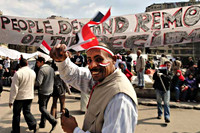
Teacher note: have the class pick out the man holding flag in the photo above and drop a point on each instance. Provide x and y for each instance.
(162, 78)
(112, 105)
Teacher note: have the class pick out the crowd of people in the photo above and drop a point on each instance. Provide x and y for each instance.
(104, 79)
(184, 81)
(48, 84)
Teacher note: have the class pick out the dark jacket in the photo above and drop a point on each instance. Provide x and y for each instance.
(176, 82)
(166, 78)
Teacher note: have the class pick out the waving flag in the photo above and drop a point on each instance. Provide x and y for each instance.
(99, 18)
(162, 67)
(85, 38)
(44, 48)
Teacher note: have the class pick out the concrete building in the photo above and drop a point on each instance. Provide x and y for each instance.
(161, 6)
(182, 50)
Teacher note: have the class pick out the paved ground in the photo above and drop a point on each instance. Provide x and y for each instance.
(184, 116)
(6, 114)
(182, 121)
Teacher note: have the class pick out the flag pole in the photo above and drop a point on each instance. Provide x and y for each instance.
(162, 83)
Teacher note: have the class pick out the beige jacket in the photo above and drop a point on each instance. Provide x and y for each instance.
(22, 86)
(140, 63)
(103, 93)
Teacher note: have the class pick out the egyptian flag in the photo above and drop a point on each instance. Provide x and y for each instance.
(162, 67)
(84, 39)
(99, 18)
(44, 48)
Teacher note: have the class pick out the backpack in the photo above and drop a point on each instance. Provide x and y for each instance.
(58, 86)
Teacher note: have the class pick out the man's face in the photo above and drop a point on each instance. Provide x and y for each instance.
(78, 53)
(96, 58)
(138, 53)
(168, 66)
(39, 64)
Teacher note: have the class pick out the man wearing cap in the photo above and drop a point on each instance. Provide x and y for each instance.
(112, 105)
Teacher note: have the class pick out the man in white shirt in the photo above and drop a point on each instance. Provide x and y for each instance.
(112, 105)
(21, 96)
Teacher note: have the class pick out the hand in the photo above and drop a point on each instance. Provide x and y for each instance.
(159, 74)
(68, 124)
(59, 53)
(10, 105)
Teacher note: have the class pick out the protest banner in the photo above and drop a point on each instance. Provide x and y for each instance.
(150, 29)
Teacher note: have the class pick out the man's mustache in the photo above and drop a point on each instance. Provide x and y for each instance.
(96, 69)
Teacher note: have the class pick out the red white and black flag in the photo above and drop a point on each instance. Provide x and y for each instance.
(44, 48)
(163, 67)
(85, 38)
(99, 18)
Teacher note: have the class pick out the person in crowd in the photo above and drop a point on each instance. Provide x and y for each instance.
(7, 73)
(140, 69)
(148, 65)
(190, 62)
(198, 75)
(176, 64)
(78, 59)
(84, 96)
(134, 66)
(178, 82)
(118, 60)
(162, 81)
(163, 59)
(192, 90)
(152, 64)
(112, 100)
(45, 81)
(129, 61)
(122, 66)
(21, 96)
(123, 58)
(189, 71)
(149, 68)
(6, 63)
(58, 93)
(1, 78)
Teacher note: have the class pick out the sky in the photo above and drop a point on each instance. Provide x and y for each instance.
(75, 9)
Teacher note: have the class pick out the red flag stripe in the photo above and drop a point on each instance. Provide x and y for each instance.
(106, 16)
(44, 43)
(102, 20)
